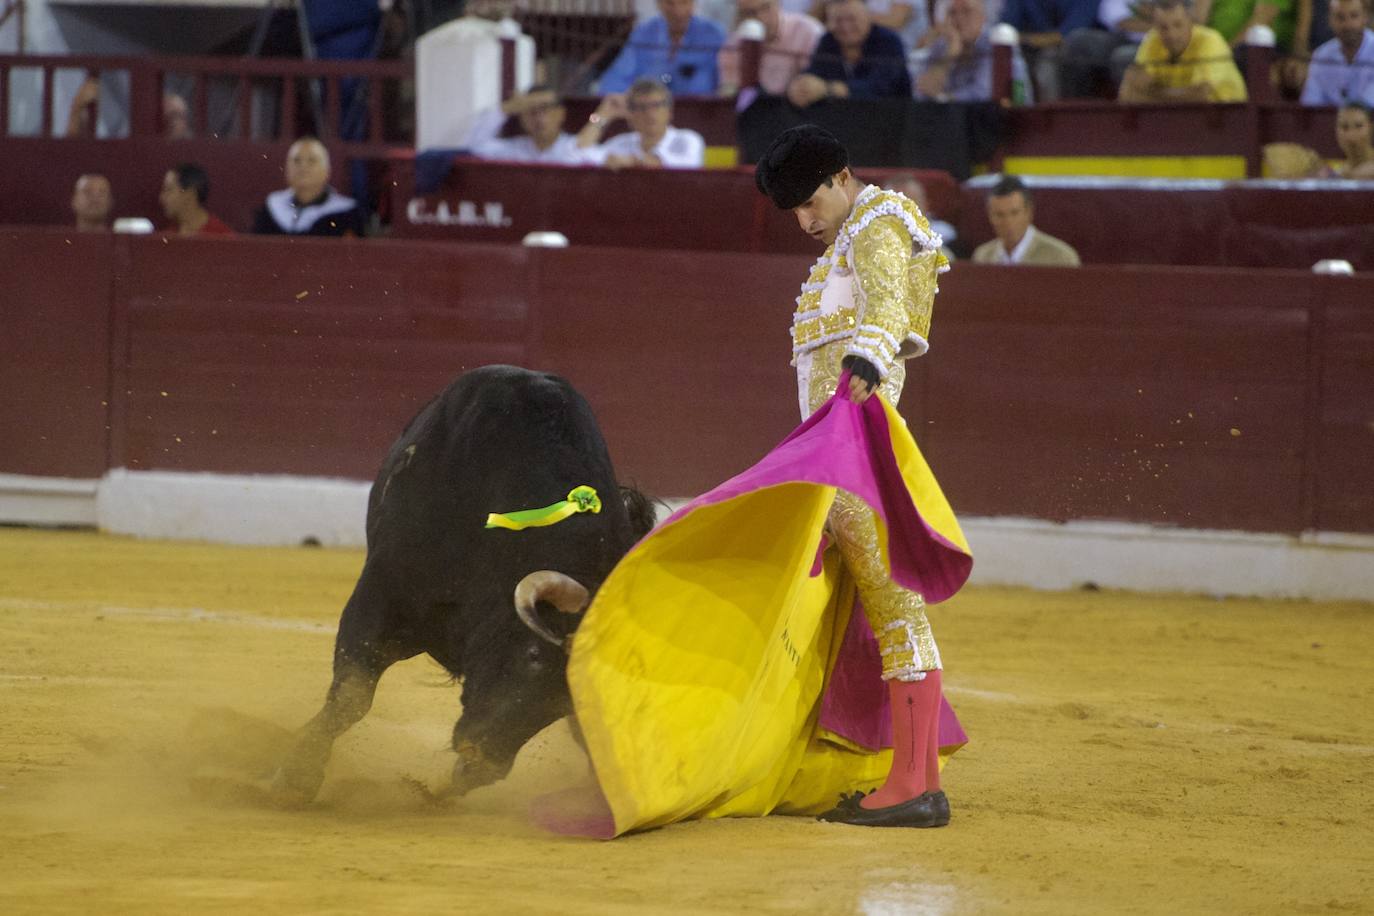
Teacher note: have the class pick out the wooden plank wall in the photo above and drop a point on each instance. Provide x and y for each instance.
(1192, 397)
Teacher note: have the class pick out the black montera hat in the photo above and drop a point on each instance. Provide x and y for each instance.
(797, 162)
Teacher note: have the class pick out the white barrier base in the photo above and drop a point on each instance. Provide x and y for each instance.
(233, 509)
(283, 510)
(54, 501)
(1041, 554)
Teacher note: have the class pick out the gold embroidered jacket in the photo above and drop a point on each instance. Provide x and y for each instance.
(888, 247)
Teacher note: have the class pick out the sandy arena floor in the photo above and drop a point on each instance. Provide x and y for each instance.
(1129, 754)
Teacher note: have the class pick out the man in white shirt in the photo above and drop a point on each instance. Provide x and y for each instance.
(1018, 242)
(652, 142)
(541, 114)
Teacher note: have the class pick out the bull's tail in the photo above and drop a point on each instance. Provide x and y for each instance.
(642, 510)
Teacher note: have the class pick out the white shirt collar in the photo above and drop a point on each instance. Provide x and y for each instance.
(1019, 251)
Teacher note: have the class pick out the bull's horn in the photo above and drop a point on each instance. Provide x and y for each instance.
(563, 592)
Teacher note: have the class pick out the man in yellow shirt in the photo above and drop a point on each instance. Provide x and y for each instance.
(1182, 61)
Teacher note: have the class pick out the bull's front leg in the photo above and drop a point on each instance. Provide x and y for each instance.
(300, 775)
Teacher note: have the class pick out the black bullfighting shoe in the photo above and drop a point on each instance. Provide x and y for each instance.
(841, 813)
(930, 809)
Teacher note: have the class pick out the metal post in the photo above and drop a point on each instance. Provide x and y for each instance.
(1259, 63)
(1004, 41)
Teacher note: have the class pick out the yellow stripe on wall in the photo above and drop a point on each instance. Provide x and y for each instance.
(1220, 167)
(721, 157)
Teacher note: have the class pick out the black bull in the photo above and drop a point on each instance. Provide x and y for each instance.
(436, 581)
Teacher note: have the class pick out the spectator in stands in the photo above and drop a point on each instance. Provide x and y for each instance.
(184, 192)
(789, 41)
(1355, 135)
(1180, 61)
(1043, 28)
(1093, 56)
(541, 113)
(959, 66)
(676, 48)
(908, 18)
(309, 206)
(176, 115)
(908, 184)
(652, 141)
(92, 202)
(1010, 210)
(1342, 69)
(854, 59)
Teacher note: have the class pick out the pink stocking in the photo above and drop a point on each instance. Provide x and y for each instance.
(915, 741)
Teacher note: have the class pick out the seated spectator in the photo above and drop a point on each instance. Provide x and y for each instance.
(541, 113)
(676, 48)
(909, 185)
(854, 59)
(1180, 61)
(1010, 211)
(1355, 135)
(309, 206)
(1094, 56)
(1043, 28)
(788, 43)
(92, 202)
(908, 18)
(959, 66)
(176, 117)
(184, 192)
(1342, 69)
(652, 142)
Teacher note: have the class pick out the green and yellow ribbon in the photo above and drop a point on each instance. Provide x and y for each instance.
(580, 499)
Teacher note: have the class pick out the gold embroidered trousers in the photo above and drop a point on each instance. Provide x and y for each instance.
(897, 615)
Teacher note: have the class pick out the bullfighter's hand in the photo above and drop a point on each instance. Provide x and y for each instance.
(859, 391)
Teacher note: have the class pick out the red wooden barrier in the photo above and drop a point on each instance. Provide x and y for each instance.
(1198, 398)
(1238, 224)
(694, 210)
(55, 352)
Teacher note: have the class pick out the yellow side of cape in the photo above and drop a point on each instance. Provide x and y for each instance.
(697, 673)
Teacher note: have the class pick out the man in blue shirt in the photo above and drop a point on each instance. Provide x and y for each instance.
(855, 59)
(677, 48)
(1342, 69)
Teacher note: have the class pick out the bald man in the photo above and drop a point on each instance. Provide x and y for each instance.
(309, 206)
(92, 201)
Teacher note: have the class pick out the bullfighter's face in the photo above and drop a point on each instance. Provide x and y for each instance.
(827, 209)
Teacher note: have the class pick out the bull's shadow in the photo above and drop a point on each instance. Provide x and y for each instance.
(480, 601)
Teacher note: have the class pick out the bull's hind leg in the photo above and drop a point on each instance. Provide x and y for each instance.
(367, 645)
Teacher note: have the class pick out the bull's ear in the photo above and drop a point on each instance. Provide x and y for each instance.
(562, 591)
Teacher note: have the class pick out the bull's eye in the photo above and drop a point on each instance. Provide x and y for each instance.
(535, 653)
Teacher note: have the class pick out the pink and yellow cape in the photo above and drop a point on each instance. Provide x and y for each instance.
(720, 671)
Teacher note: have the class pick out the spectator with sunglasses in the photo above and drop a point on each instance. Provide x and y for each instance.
(651, 142)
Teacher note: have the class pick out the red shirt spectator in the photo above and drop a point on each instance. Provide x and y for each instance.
(184, 190)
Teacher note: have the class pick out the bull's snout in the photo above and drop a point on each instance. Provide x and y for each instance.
(474, 769)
